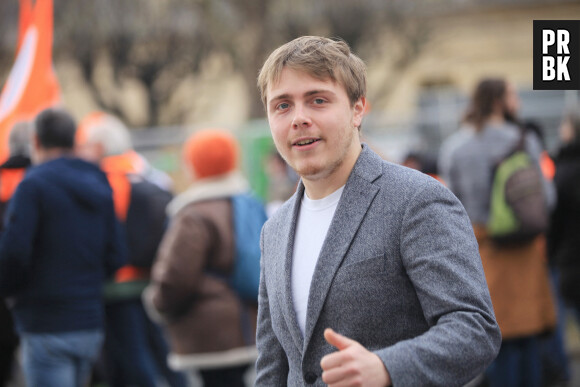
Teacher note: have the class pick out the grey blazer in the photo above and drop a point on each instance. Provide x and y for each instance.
(399, 272)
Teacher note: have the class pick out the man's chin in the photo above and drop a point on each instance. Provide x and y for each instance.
(312, 173)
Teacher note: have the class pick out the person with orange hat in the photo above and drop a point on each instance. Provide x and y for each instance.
(211, 328)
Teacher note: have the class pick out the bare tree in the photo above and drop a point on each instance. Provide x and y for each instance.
(248, 30)
(159, 43)
(142, 40)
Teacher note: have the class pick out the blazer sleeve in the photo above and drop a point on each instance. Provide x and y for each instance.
(441, 258)
(272, 364)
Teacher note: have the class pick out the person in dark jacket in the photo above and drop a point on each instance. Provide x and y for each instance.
(563, 241)
(135, 351)
(61, 240)
(11, 174)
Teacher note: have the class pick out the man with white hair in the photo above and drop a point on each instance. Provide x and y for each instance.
(13, 169)
(103, 135)
(134, 347)
(11, 173)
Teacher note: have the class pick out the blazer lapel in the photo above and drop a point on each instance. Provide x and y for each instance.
(354, 203)
(284, 269)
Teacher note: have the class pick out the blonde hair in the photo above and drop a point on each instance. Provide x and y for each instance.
(319, 57)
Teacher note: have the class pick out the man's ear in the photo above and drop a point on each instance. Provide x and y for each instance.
(35, 143)
(100, 149)
(36, 149)
(359, 110)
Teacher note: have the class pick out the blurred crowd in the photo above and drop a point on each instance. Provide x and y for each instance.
(108, 277)
(98, 252)
(531, 282)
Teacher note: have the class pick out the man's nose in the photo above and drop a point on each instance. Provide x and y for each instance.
(301, 119)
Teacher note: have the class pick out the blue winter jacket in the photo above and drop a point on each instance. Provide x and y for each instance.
(61, 241)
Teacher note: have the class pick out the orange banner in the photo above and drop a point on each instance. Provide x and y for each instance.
(31, 85)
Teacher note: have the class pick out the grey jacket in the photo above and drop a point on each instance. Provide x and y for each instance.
(399, 272)
(467, 159)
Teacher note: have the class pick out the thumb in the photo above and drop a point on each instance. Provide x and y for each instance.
(337, 340)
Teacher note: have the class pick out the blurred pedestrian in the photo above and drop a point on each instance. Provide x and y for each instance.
(60, 242)
(563, 241)
(137, 163)
(11, 174)
(135, 351)
(282, 181)
(555, 362)
(424, 162)
(370, 272)
(13, 169)
(211, 328)
(517, 276)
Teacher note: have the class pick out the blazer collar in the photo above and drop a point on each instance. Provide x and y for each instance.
(358, 194)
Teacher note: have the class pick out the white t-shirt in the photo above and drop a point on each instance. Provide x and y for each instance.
(311, 229)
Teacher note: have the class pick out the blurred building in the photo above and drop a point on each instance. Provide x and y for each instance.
(418, 103)
(464, 40)
(420, 74)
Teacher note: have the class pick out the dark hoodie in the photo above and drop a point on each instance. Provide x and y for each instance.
(61, 241)
(563, 240)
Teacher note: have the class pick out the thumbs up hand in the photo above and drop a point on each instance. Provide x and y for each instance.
(352, 364)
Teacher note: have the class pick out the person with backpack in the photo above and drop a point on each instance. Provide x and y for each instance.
(135, 350)
(205, 280)
(485, 164)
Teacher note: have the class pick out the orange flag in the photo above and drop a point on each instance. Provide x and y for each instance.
(31, 85)
(24, 20)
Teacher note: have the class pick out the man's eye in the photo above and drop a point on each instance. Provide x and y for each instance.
(319, 101)
(282, 106)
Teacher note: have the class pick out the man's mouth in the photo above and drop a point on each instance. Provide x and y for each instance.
(306, 142)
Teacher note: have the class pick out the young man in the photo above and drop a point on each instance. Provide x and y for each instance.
(370, 272)
(61, 240)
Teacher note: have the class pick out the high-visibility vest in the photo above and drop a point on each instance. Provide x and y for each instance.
(9, 180)
(117, 169)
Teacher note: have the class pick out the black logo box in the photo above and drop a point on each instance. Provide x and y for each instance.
(573, 28)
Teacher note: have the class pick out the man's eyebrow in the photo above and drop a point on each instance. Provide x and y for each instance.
(307, 94)
(321, 91)
(279, 97)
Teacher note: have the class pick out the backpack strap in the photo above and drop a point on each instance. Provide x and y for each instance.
(521, 144)
(248, 334)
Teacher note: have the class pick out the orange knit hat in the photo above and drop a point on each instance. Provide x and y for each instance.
(211, 152)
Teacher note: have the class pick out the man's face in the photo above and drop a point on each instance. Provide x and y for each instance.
(92, 152)
(566, 131)
(511, 101)
(313, 124)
